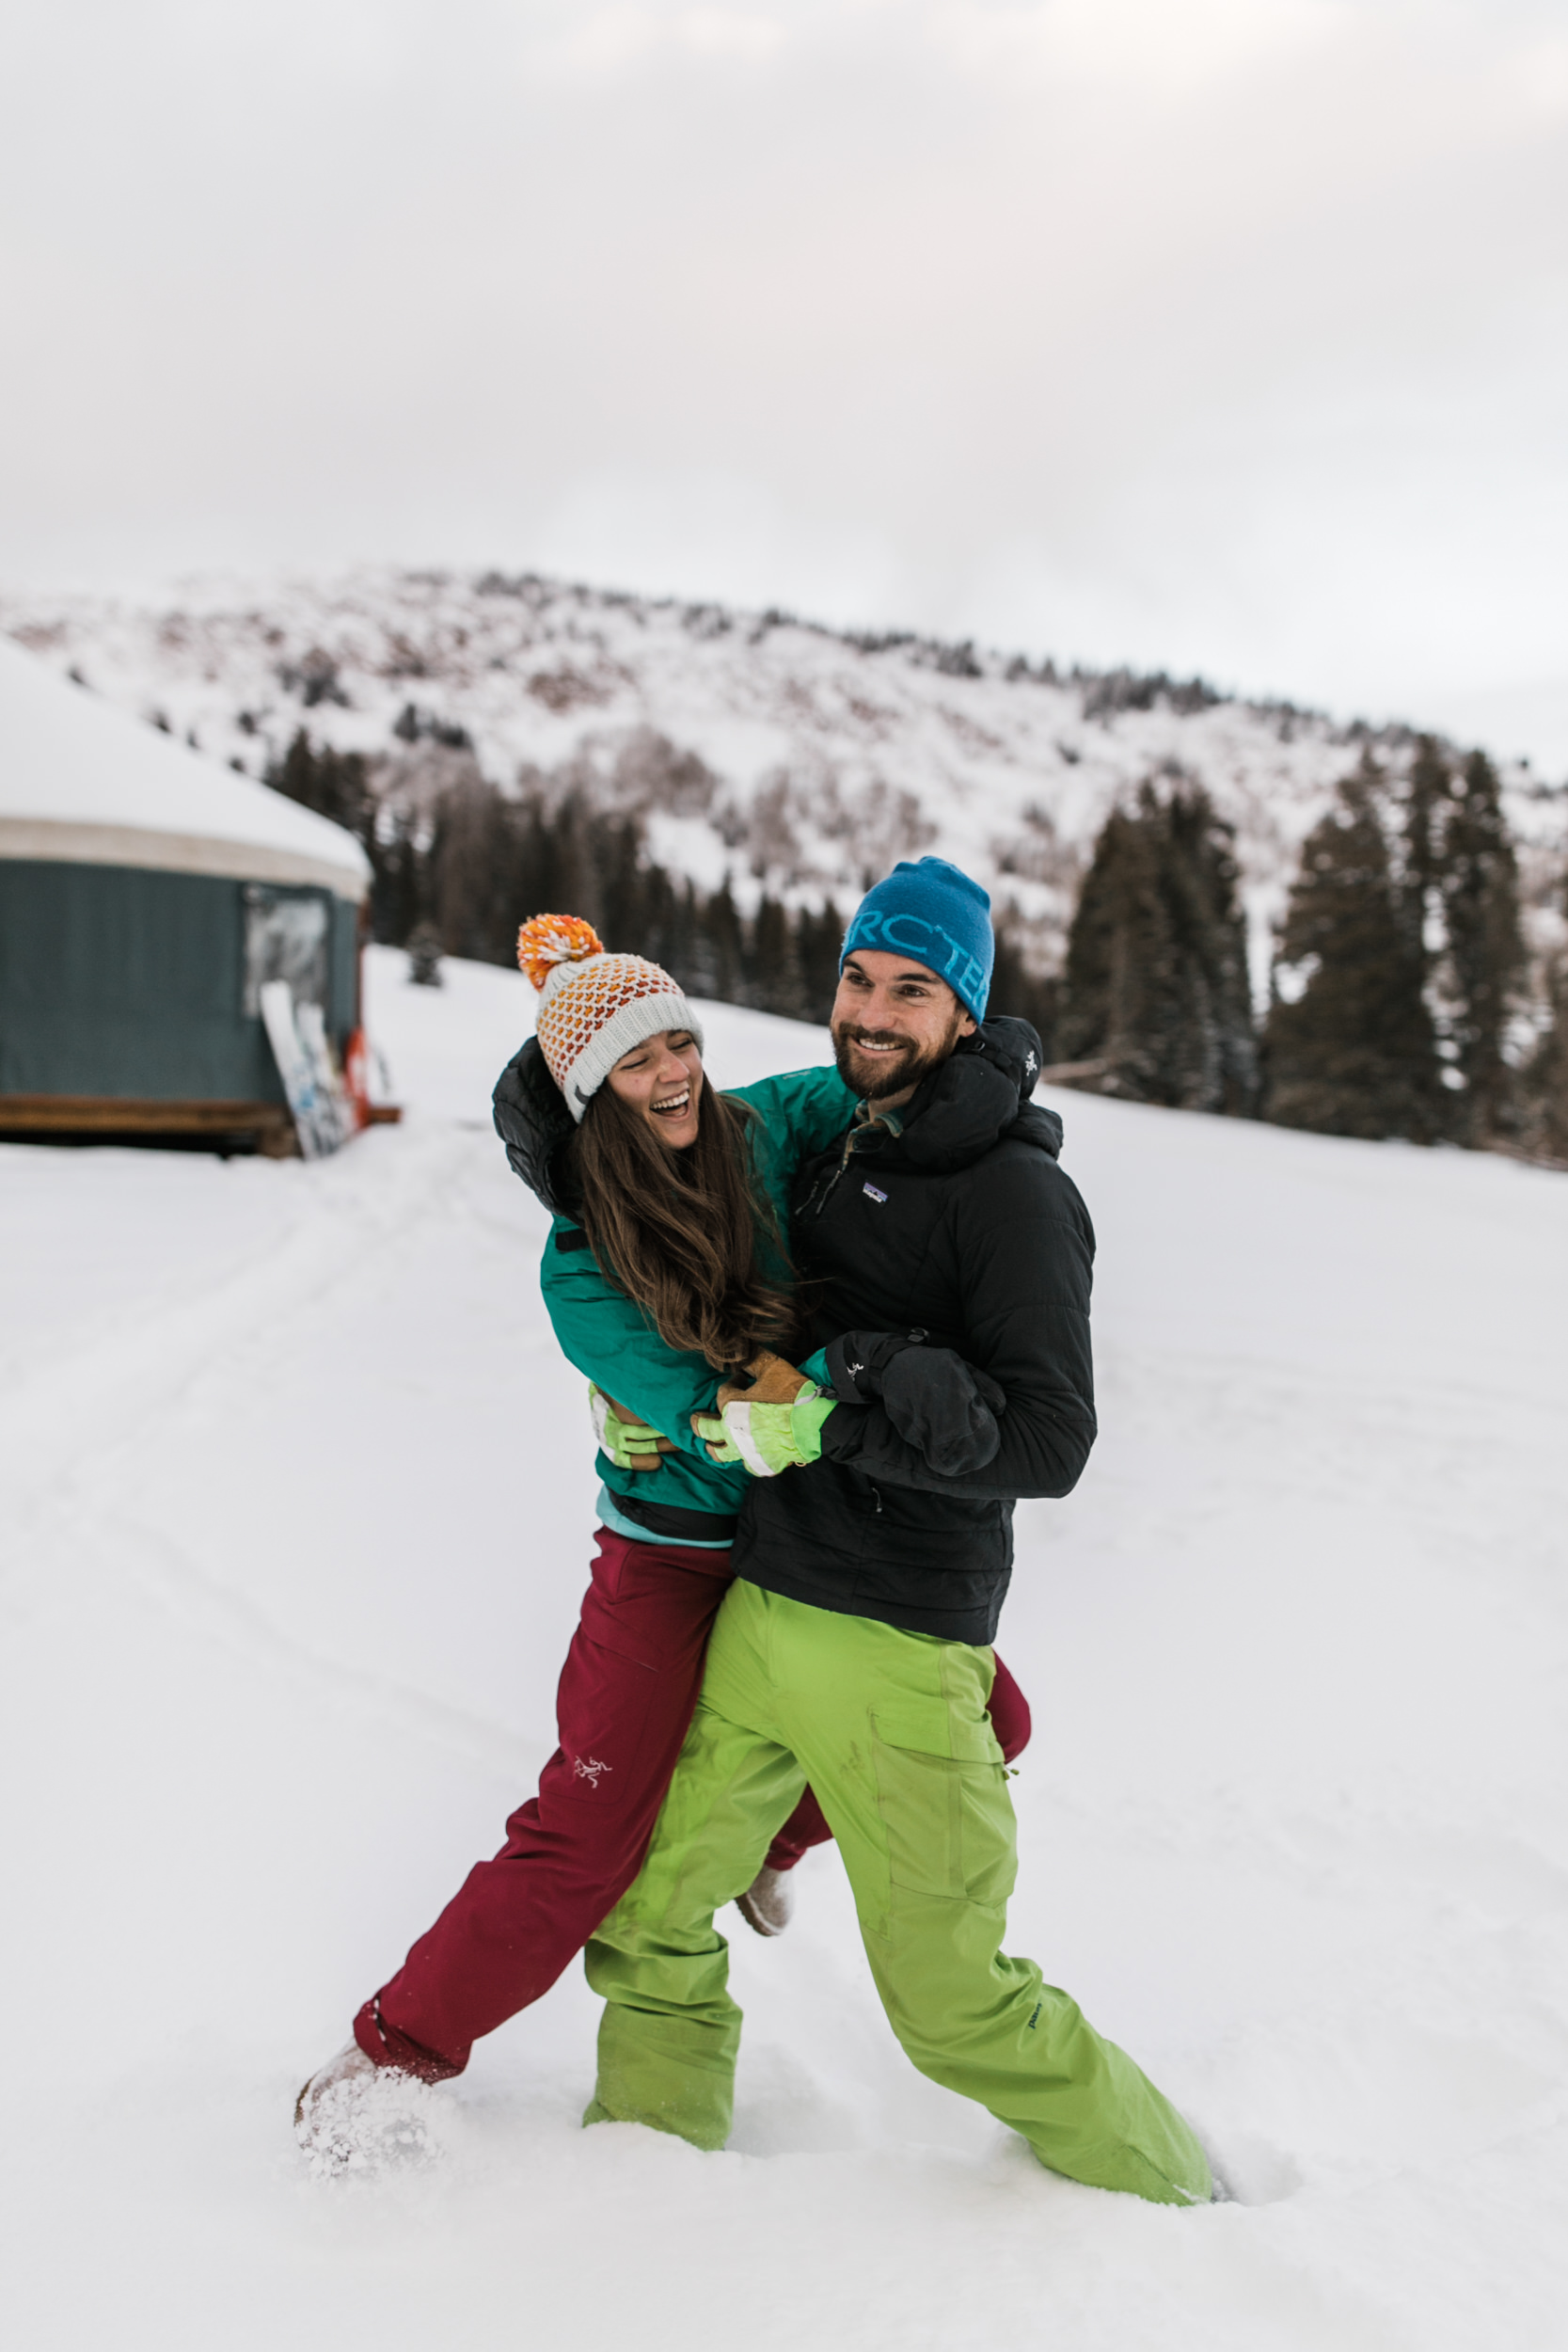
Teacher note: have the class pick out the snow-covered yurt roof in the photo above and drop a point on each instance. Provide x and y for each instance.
(82, 783)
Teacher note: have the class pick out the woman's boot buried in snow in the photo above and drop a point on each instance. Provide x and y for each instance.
(355, 2116)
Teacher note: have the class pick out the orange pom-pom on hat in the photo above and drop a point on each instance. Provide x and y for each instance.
(546, 940)
(594, 1007)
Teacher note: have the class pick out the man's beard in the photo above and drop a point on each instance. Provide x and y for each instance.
(889, 1074)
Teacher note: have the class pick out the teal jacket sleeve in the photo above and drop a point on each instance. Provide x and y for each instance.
(608, 1337)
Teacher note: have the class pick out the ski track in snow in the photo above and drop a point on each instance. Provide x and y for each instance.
(297, 1499)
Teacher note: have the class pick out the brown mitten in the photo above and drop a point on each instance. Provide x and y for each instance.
(769, 1381)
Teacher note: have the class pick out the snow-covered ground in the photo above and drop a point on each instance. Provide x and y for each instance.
(296, 1496)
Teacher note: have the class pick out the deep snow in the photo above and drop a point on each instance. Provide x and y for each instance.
(296, 1495)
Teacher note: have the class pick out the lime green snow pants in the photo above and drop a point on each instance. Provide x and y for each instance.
(891, 1730)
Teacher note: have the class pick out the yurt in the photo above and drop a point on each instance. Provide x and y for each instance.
(147, 895)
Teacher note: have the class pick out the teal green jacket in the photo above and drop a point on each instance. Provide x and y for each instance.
(613, 1341)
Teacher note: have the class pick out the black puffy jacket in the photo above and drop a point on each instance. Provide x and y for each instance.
(964, 1230)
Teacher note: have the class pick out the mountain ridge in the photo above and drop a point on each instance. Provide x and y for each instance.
(796, 758)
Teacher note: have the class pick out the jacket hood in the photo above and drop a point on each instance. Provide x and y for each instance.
(532, 1120)
(980, 1094)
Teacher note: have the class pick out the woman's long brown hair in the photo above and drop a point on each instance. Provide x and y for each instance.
(677, 1231)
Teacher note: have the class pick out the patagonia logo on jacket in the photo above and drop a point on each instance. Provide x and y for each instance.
(872, 1193)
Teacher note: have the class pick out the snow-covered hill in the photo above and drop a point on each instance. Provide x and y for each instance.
(820, 756)
(294, 1500)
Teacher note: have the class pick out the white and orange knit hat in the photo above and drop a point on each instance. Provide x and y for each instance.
(594, 1007)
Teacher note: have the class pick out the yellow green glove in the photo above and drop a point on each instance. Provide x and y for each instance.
(629, 1442)
(774, 1424)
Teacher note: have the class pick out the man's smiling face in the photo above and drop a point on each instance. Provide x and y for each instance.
(892, 1022)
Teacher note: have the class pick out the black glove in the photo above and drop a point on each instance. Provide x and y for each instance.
(936, 1402)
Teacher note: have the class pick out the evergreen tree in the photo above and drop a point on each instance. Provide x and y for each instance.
(1543, 1084)
(337, 785)
(818, 945)
(477, 880)
(683, 926)
(398, 877)
(333, 784)
(719, 955)
(1425, 806)
(626, 902)
(1479, 882)
(666, 924)
(1353, 1053)
(560, 864)
(424, 956)
(773, 978)
(1014, 989)
(1155, 988)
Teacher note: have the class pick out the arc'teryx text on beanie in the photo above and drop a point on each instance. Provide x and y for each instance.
(935, 913)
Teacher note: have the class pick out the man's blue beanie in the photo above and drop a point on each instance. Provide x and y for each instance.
(933, 913)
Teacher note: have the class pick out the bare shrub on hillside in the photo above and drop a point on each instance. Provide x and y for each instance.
(1037, 852)
(803, 826)
(408, 784)
(626, 772)
(878, 824)
(650, 772)
(567, 688)
(773, 839)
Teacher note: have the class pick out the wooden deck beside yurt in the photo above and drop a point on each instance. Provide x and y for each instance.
(147, 894)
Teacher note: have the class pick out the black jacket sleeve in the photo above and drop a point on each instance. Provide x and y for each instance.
(534, 1123)
(943, 1407)
(1023, 1250)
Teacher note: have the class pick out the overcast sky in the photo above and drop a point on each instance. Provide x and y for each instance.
(1227, 335)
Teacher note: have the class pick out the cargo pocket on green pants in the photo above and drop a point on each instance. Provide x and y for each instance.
(941, 1793)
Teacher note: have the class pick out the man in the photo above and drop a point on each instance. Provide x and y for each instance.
(952, 1258)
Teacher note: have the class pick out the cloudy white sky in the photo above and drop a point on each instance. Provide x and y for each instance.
(1227, 335)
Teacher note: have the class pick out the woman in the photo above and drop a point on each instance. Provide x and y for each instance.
(665, 1271)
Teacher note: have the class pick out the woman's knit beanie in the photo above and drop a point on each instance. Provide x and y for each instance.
(594, 1007)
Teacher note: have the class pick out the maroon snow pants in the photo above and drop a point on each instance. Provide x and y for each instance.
(628, 1691)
